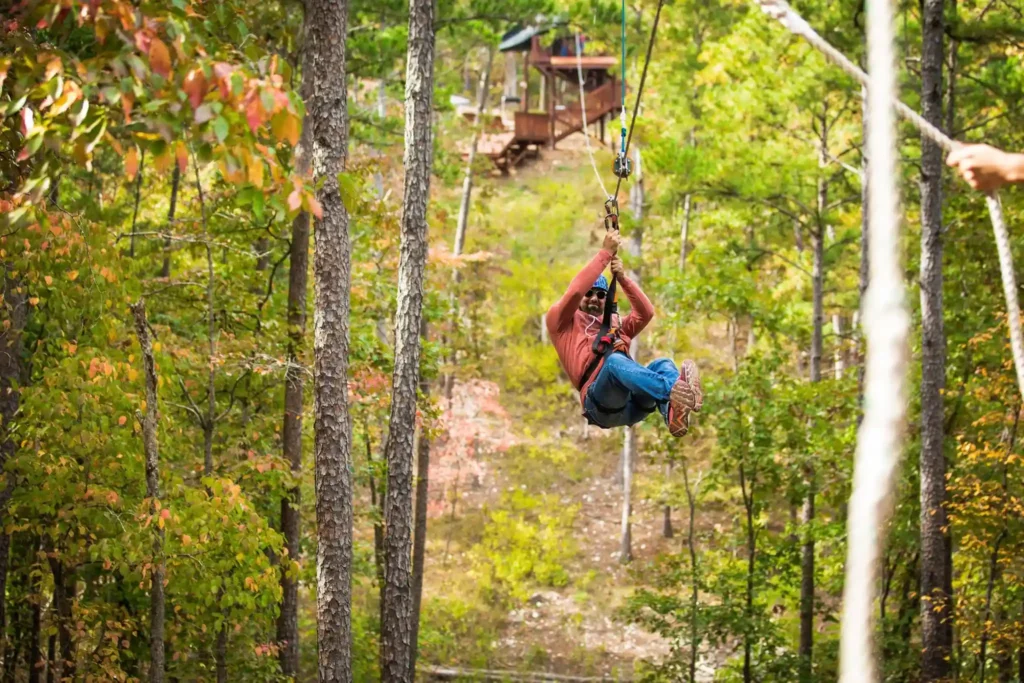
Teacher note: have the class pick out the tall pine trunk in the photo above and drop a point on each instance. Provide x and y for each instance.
(327, 120)
(291, 440)
(396, 628)
(936, 626)
(152, 458)
(419, 547)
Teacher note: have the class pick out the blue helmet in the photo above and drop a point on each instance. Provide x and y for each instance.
(600, 283)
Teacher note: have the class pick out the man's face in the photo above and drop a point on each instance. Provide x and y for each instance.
(593, 302)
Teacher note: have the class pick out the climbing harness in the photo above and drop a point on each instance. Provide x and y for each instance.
(607, 340)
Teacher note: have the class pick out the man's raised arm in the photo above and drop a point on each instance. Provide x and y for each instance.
(641, 309)
(559, 316)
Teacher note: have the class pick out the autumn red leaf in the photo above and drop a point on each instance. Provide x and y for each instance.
(294, 200)
(195, 87)
(160, 58)
(254, 114)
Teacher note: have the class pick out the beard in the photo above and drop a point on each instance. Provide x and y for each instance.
(593, 308)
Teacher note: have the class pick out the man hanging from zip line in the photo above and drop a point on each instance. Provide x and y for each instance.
(615, 390)
(986, 168)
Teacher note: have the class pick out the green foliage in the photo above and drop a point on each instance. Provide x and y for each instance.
(526, 543)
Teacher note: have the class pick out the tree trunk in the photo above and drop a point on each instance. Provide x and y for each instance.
(467, 183)
(634, 245)
(138, 196)
(865, 239)
(396, 629)
(806, 650)
(838, 359)
(419, 548)
(327, 119)
(666, 511)
(936, 626)
(165, 270)
(64, 589)
(685, 232)
(15, 310)
(35, 655)
(150, 420)
(747, 489)
(628, 454)
(294, 397)
(691, 545)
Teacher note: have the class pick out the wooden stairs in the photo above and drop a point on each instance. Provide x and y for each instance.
(532, 130)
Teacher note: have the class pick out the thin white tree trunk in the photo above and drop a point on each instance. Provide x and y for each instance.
(467, 183)
(838, 358)
(634, 245)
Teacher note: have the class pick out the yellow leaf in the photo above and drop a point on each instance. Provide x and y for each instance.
(33, 301)
(48, 279)
(256, 173)
(73, 275)
(132, 374)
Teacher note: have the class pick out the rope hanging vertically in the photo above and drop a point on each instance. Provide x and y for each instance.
(887, 329)
(781, 11)
(583, 114)
(640, 90)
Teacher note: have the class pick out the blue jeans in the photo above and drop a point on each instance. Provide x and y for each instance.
(626, 392)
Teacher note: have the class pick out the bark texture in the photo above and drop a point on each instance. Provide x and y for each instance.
(936, 628)
(419, 545)
(327, 119)
(291, 440)
(396, 628)
(151, 447)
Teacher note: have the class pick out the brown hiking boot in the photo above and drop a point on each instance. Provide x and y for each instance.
(680, 402)
(692, 374)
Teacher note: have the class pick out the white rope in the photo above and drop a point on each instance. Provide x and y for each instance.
(583, 110)
(887, 328)
(781, 11)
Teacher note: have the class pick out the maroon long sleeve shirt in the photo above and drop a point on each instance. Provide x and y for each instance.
(572, 331)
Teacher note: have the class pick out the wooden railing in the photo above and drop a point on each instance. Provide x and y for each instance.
(599, 101)
(532, 127)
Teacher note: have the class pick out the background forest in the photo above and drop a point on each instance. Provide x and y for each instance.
(208, 204)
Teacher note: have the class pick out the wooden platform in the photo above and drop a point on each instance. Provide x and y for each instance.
(534, 130)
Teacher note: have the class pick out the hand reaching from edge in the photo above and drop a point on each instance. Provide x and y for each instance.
(986, 168)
